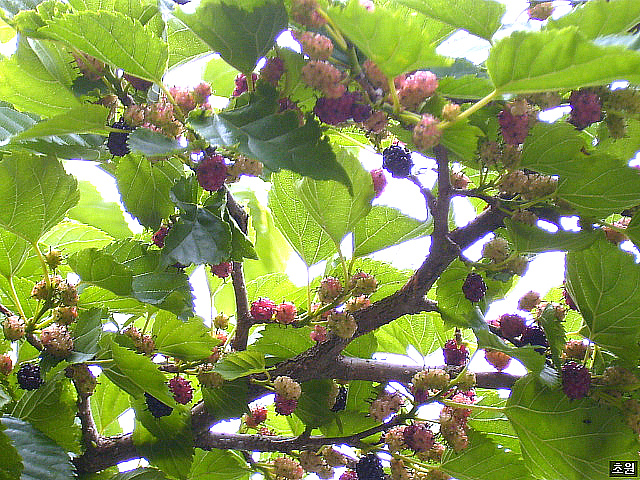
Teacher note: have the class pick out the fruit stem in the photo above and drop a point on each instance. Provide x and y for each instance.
(423, 467)
(308, 290)
(46, 323)
(15, 298)
(43, 264)
(469, 111)
(394, 96)
(146, 323)
(333, 30)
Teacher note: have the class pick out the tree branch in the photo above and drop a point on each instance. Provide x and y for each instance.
(243, 317)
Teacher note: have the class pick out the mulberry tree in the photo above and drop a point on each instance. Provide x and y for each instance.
(538, 137)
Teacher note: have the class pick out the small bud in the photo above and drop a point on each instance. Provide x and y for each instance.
(53, 258)
(221, 321)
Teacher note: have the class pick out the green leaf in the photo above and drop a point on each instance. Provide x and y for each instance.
(461, 139)
(281, 342)
(221, 76)
(277, 286)
(84, 119)
(136, 374)
(135, 49)
(14, 251)
(70, 236)
(38, 194)
(599, 185)
(240, 35)
(330, 203)
(385, 226)
(313, 404)
(140, 474)
(199, 236)
(184, 45)
(493, 423)
(10, 462)
(467, 86)
(355, 417)
(100, 298)
(94, 211)
(39, 454)
(529, 62)
(530, 239)
(479, 17)
(23, 288)
(604, 281)
(108, 402)
(241, 246)
(152, 144)
(68, 147)
(144, 186)
(275, 139)
(13, 122)
(426, 332)
(394, 50)
(483, 460)
(600, 18)
(624, 148)
(240, 364)
(295, 222)
(219, 465)
(227, 401)
(567, 439)
(549, 145)
(170, 446)
(86, 333)
(100, 269)
(188, 341)
(52, 410)
(23, 78)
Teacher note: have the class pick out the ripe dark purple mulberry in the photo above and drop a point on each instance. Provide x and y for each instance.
(511, 325)
(222, 270)
(576, 380)
(369, 467)
(397, 161)
(341, 400)
(337, 110)
(474, 288)
(585, 108)
(534, 335)
(117, 141)
(156, 407)
(285, 406)
(568, 300)
(454, 353)
(29, 376)
(514, 127)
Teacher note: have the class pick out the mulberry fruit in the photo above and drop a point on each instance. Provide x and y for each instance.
(454, 353)
(212, 172)
(156, 407)
(417, 88)
(181, 389)
(496, 250)
(316, 46)
(534, 335)
(330, 289)
(576, 380)
(379, 181)
(342, 324)
(29, 376)
(138, 83)
(241, 84)
(397, 161)
(285, 406)
(474, 288)
(13, 328)
(325, 77)
(263, 309)
(272, 70)
(426, 133)
(255, 417)
(318, 334)
(514, 127)
(286, 313)
(529, 301)
(159, 236)
(585, 108)
(6, 364)
(57, 341)
(418, 437)
(511, 325)
(363, 284)
(369, 467)
(222, 270)
(497, 359)
(341, 400)
(117, 141)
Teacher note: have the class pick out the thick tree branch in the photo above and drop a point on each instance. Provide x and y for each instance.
(90, 435)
